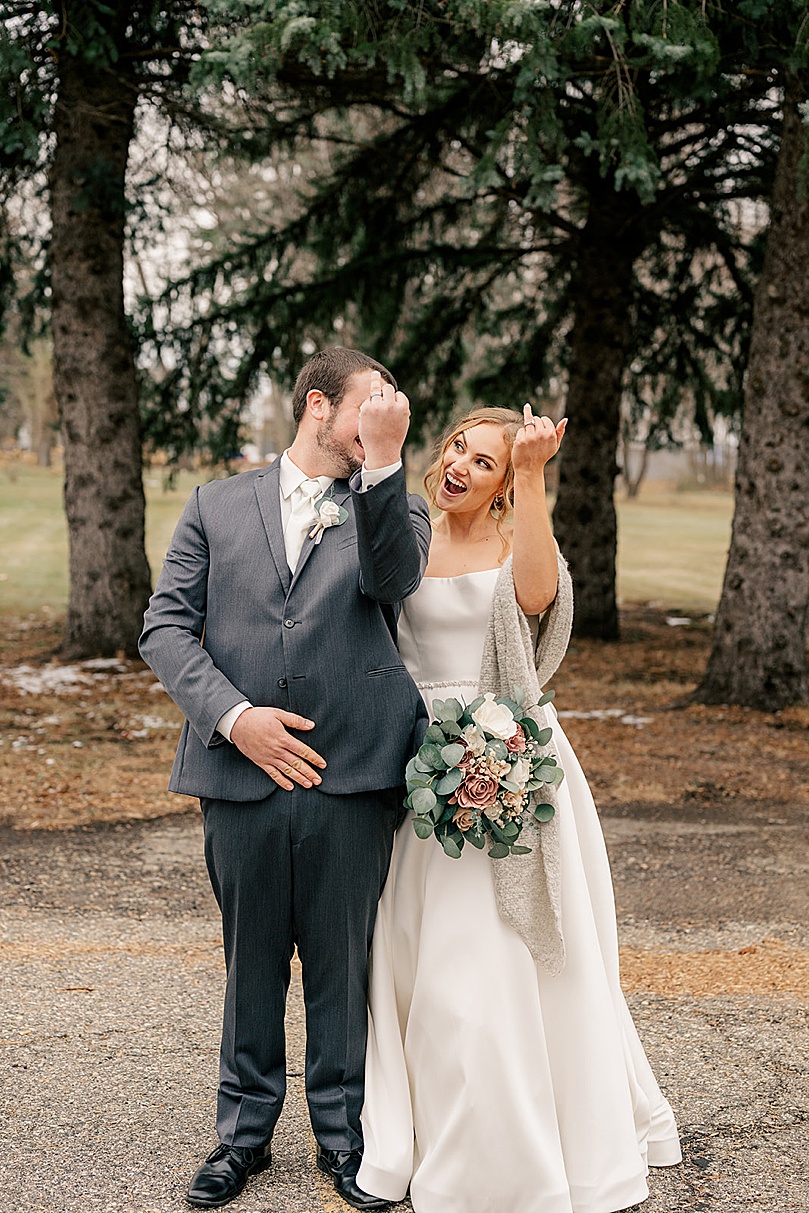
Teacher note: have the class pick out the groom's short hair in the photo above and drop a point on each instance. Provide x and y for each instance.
(328, 371)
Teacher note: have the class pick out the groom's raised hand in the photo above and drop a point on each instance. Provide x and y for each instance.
(384, 422)
(261, 735)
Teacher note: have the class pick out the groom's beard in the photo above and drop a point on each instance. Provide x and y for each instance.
(345, 461)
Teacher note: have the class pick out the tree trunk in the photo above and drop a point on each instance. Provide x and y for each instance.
(632, 482)
(94, 371)
(584, 515)
(758, 657)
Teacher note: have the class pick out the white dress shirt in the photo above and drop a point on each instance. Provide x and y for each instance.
(290, 480)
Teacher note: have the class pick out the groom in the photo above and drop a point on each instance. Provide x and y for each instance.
(273, 627)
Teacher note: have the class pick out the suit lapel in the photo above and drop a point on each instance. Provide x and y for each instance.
(268, 492)
(340, 495)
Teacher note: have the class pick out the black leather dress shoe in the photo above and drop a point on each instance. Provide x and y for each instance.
(342, 1166)
(224, 1173)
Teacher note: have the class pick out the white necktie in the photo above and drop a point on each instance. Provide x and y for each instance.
(302, 518)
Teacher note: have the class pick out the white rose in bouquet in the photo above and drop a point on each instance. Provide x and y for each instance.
(474, 739)
(495, 718)
(520, 772)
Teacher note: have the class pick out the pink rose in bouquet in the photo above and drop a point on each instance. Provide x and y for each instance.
(477, 792)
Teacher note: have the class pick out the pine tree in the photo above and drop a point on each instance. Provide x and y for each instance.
(758, 658)
(73, 75)
(513, 192)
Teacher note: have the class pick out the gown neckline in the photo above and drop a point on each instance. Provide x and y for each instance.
(471, 573)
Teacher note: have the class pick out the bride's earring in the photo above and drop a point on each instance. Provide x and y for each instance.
(498, 504)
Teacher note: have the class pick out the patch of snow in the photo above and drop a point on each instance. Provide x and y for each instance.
(619, 714)
(49, 679)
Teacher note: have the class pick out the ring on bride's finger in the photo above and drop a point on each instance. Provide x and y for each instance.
(375, 394)
(531, 422)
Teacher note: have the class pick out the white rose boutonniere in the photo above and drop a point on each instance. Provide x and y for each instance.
(329, 513)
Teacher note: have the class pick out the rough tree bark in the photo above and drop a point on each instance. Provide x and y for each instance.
(94, 371)
(758, 657)
(584, 515)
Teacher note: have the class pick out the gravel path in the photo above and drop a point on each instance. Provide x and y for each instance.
(111, 1000)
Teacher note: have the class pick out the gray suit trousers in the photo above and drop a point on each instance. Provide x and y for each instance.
(303, 869)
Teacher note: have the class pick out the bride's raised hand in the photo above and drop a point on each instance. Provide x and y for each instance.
(537, 442)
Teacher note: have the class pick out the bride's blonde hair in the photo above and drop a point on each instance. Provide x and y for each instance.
(510, 423)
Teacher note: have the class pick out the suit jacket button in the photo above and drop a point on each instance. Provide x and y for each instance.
(289, 623)
(282, 683)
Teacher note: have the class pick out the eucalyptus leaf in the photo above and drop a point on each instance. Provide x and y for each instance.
(451, 729)
(419, 781)
(423, 801)
(435, 734)
(499, 851)
(438, 708)
(548, 774)
(430, 754)
(474, 705)
(511, 831)
(423, 827)
(530, 726)
(496, 831)
(497, 749)
(544, 812)
(477, 840)
(520, 850)
(451, 709)
(449, 783)
(452, 754)
(421, 765)
(451, 848)
(544, 736)
(446, 815)
(519, 695)
(546, 698)
(509, 785)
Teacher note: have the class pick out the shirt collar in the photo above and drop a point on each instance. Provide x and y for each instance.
(291, 477)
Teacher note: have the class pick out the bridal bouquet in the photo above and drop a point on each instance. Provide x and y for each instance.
(473, 776)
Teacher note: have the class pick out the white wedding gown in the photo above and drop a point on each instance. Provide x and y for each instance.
(492, 1087)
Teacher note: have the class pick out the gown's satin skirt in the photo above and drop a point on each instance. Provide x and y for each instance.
(492, 1087)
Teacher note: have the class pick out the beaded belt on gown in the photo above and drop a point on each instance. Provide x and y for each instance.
(453, 682)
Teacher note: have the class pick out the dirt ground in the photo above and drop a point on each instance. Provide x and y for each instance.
(110, 936)
(93, 742)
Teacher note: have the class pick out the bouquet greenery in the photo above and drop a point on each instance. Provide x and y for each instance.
(478, 770)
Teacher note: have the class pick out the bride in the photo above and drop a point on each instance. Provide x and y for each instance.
(504, 1073)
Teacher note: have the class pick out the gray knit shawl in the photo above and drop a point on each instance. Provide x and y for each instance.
(528, 888)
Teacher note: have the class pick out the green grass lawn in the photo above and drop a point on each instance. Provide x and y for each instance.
(671, 549)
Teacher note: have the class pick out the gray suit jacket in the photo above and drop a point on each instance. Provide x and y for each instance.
(228, 621)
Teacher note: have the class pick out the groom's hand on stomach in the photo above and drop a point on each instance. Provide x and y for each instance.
(262, 736)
